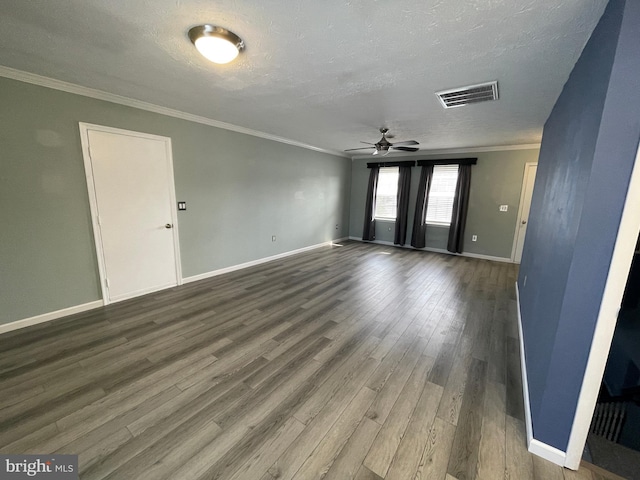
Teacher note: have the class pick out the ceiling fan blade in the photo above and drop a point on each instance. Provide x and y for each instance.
(406, 149)
(363, 148)
(408, 142)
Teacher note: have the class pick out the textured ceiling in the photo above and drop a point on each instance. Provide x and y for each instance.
(327, 73)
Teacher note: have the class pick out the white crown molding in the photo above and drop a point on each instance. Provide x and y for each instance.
(47, 82)
(447, 151)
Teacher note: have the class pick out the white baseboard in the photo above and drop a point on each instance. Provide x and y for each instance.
(253, 263)
(379, 242)
(437, 250)
(534, 446)
(523, 367)
(469, 254)
(47, 317)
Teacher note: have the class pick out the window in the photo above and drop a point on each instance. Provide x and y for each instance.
(386, 193)
(441, 194)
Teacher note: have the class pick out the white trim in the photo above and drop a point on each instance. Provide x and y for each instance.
(93, 204)
(548, 452)
(174, 210)
(607, 317)
(253, 263)
(525, 379)
(436, 250)
(47, 317)
(534, 446)
(525, 177)
(60, 85)
(469, 254)
(379, 242)
(338, 240)
(93, 207)
(446, 151)
(34, 79)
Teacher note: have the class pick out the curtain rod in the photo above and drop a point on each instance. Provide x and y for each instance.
(408, 163)
(449, 161)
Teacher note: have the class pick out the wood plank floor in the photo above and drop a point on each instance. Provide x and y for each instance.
(348, 362)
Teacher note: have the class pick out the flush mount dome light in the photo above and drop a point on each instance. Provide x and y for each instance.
(216, 43)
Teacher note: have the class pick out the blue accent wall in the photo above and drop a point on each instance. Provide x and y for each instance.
(588, 150)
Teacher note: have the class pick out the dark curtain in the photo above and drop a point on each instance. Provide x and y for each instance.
(369, 228)
(460, 208)
(402, 205)
(419, 232)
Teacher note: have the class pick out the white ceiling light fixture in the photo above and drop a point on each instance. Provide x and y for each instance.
(216, 44)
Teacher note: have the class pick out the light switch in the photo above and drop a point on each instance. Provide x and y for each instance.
(182, 205)
(504, 208)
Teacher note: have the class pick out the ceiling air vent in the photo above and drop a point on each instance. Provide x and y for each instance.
(457, 97)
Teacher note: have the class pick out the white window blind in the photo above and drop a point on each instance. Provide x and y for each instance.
(441, 194)
(386, 193)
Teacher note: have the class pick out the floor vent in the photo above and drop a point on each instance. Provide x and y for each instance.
(457, 97)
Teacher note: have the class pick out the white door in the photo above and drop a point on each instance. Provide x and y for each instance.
(525, 205)
(130, 179)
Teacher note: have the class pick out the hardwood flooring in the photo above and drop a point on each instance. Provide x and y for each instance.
(350, 362)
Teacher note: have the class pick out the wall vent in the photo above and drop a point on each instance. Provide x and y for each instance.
(457, 97)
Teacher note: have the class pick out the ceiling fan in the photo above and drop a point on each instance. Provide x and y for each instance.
(384, 146)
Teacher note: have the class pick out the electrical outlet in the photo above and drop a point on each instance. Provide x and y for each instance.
(336, 226)
(474, 238)
(273, 238)
(504, 208)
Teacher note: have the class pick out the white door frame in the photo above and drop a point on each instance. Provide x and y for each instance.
(527, 171)
(621, 259)
(93, 201)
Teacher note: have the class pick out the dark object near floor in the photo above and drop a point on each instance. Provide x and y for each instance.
(614, 457)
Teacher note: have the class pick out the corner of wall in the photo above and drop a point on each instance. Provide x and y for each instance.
(534, 446)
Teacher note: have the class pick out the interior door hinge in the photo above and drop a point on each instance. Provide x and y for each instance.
(99, 220)
(106, 280)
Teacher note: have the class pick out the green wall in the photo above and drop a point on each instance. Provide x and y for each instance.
(240, 190)
(495, 180)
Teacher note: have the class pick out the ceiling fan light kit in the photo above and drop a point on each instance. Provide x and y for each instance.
(384, 146)
(216, 44)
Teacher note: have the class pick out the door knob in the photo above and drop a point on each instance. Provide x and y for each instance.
(524, 222)
(168, 225)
